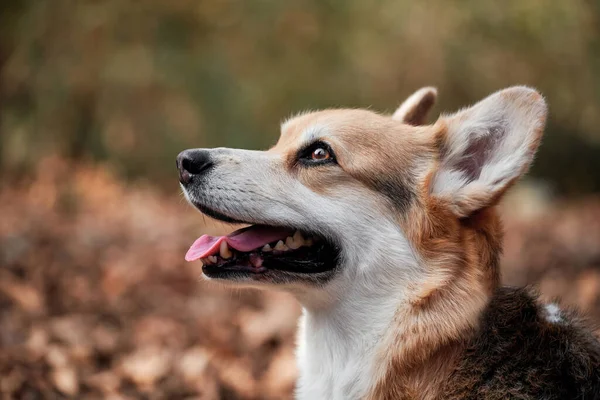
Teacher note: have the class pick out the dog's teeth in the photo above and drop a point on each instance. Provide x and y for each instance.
(280, 246)
(266, 248)
(291, 243)
(298, 239)
(204, 261)
(309, 242)
(224, 250)
(212, 259)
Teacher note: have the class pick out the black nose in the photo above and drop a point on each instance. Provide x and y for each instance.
(192, 163)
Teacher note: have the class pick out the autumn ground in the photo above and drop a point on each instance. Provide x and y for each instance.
(97, 302)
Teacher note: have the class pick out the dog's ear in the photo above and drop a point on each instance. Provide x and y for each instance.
(415, 108)
(484, 149)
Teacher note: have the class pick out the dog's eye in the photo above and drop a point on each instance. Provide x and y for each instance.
(320, 154)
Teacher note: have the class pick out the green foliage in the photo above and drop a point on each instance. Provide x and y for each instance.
(133, 83)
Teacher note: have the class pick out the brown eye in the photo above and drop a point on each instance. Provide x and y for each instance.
(320, 154)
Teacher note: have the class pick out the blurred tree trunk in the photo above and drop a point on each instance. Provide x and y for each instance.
(78, 144)
(10, 13)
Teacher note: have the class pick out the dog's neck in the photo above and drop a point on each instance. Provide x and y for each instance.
(338, 344)
(365, 342)
(388, 332)
(340, 335)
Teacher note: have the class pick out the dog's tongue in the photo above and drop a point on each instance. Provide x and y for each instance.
(245, 239)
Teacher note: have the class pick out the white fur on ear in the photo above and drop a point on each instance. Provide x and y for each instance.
(414, 109)
(486, 147)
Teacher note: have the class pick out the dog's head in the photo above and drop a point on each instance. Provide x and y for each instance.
(351, 197)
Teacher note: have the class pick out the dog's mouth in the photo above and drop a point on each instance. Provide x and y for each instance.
(258, 249)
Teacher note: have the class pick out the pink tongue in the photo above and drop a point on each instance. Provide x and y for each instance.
(245, 239)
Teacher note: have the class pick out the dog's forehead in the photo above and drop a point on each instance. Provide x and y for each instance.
(311, 126)
(308, 126)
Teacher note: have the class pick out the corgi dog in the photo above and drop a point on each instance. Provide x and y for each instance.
(385, 229)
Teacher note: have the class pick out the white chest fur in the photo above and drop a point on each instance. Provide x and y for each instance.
(332, 365)
(338, 349)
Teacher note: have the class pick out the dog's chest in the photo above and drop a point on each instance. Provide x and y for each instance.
(331, 366)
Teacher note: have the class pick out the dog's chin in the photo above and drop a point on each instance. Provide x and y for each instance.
(308, 259)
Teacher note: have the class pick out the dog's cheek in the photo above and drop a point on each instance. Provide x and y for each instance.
(324, 180)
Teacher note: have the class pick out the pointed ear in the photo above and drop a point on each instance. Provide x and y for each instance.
(487, 147)
(414, 109)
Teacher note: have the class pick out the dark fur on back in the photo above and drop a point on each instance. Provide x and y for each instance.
(519, 354)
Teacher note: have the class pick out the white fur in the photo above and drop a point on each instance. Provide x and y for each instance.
(337, 343)
(553, 313)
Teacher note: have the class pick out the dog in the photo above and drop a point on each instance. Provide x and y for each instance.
(385, 230)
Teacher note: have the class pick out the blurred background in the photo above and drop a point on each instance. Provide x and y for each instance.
(97, 97)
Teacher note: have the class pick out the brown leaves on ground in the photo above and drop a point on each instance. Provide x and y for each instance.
(97, 302)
